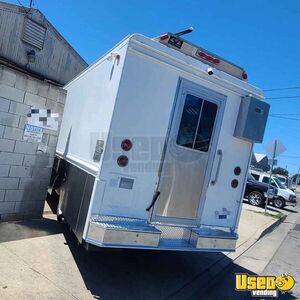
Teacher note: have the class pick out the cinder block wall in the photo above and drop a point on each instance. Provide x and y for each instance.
(24, 171)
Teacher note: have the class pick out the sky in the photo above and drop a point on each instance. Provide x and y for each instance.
(262, 36)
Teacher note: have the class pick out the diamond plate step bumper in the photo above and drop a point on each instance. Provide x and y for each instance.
(207, 238)
(122, 231)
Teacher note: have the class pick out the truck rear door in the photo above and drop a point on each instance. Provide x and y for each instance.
(189, 152)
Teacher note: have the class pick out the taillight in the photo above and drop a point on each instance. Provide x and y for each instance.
(126, 145)
(122, 161)
(234, 183)
(237, 171)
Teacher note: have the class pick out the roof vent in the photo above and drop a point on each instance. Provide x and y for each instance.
(34, 34)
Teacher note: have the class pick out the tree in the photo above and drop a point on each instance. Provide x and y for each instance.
(281, 171)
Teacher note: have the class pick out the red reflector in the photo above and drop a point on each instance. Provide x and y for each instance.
(216, 61)
(126, 145)
(237, 171)
(122, 161)
(245, 75)
(234, 183)
(164, 37)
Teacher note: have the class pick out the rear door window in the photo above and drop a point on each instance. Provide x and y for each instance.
(197, 123)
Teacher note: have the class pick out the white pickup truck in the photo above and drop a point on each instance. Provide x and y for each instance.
(285, 195)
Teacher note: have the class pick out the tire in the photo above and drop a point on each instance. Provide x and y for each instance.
(279, 202)
(255, 198)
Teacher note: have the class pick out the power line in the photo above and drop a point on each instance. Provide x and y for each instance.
(26, 10)
(290, 156)
(21, 3)
(282, 89)
(285, 118)
(284, 97)
(286, 114)
(33, 3)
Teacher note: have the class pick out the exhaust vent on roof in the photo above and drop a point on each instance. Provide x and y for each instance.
(34, 34)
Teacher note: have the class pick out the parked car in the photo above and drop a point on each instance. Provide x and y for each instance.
(285, 195)
(256, 192)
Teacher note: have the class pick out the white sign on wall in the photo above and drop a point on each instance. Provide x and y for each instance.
(33, 134)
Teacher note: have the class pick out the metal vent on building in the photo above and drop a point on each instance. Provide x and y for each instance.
(34, 34)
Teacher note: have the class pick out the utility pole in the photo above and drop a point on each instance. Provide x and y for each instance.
(297, 178)
(274, 148)
(271, 173)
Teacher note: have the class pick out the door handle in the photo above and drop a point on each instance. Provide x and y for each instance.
(220, 154)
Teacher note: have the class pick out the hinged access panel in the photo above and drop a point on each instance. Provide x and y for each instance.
(252, 119)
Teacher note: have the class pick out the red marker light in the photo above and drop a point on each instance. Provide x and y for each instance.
(122, 161)
(126, 145)
(201, 54)
(237, 171)
(234, 183)
(207, 57)
(164, 37)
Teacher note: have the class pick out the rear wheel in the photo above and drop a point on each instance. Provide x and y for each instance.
(279, 202)
(256, 198)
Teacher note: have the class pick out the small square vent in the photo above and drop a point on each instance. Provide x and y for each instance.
(34, 34)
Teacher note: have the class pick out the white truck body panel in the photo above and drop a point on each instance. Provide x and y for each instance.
(84, 106)
(134, 97)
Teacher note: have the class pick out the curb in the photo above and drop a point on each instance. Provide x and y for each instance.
(271, 227)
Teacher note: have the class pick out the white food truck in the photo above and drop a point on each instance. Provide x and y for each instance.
(154, 147)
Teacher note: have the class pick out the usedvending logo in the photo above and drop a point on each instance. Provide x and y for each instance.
(267, 286)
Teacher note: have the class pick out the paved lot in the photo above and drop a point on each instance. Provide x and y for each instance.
(41, 260)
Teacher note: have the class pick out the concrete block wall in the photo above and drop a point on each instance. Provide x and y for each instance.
(24, 171)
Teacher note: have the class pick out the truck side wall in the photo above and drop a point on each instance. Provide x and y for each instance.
(88, 111)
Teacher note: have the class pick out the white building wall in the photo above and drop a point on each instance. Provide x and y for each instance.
(24, 171)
